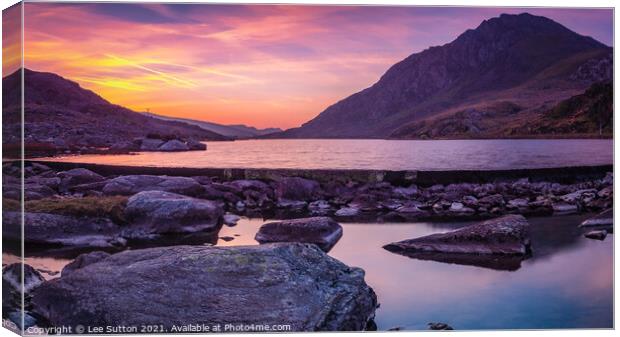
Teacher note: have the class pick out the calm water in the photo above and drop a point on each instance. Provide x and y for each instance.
(568, 283)
(376, 154)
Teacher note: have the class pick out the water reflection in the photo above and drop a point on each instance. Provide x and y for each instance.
(376, 154)
(567, 283)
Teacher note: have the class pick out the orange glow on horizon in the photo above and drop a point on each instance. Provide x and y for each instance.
(259, 65)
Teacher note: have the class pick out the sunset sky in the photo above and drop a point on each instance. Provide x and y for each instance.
(254, 64)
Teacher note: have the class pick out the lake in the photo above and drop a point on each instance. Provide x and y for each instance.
(375, 154)
(567, 283)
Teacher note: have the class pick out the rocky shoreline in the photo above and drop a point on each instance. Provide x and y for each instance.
(103, 214)
(358, 196)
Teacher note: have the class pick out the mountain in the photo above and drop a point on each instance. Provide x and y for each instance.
(524, 61)
(59, 113)
(589, 114)
(233, 131)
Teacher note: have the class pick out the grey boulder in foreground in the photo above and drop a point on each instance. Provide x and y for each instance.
(507, 235)
(280, 283)
(322, 231)
(163, 212)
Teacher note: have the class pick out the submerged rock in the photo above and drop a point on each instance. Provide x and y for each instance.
(596, 235)
(162, 212)
(605, 218)
(54, 229)
(322, 231)
(82, 261)
(294, 284)
(507, 235)
(129, 185)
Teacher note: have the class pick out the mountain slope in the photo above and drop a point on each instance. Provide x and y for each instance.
(60, 113)
(233, 131)
(589, 114)
(524, 59)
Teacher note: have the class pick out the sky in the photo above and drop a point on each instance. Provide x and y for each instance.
(260, 65)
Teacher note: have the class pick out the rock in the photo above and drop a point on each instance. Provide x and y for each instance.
(470, 201)
(54, 229)
(606, 192)
(129, 185)
(322, 231)
(507, 235)
(458, 208)
(227, 238)
(573, 197)
(492, 200)
(563, 208)
(256, 185)
(150, 144)
(12, 278)
(78, 176)
(123, 146)
(195, 145)
(295, 188)
(163, 212)
(597, 234)
(518, 203)
(406, 192)
(412, 210)
(605, 218)
(173, 146)
(82, 261)
(439, 326)
(292, 204)
(348, 211)
(267, 284)
(231, 219)
(31, 192)
(319, 207)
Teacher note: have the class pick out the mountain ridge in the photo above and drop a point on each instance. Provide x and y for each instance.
(501, 55)
(61, 115)
(238, 131)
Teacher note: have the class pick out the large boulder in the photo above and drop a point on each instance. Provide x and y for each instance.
(507, 235)
(163, 212)
(129, 185)
(83, 260)
(55, 229)
(294, 284)
(322, 231)
(78, 176)
(150, 144)
(173, 146)
(295, 188)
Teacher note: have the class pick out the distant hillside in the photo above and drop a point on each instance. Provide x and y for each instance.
(233, 131)
(509, 67)
(589, 114)
(60, 114)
